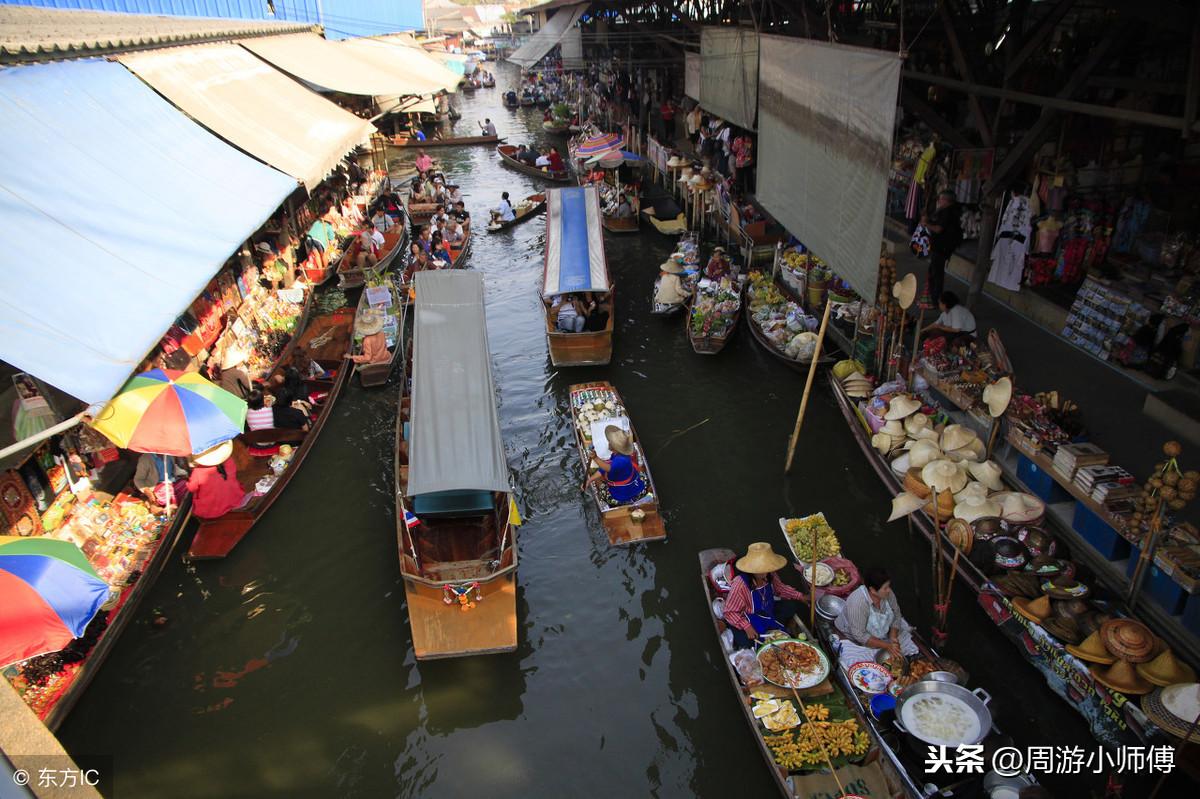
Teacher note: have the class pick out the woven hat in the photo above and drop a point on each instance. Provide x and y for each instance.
(1036, 610)
(1070, 608)
(900, 465)
(971, 453)
(905, 290)
(1020, 584)
(760, 559)
(943, 475)
(618, 440)
(955, 436)
(1174, 708)
(987, 473)
(902, 405)
(1010, 554)
(893, 428)
(1046, 566)
(974, 506)
(674, 162)
(1128, 639)
(997, 396)
(924, 452)
(883, 442)
(1063, 587)
(263, 247)
(672, 267)
(905, 503)
(370, 322)
(915, 424)
(913, 483)
(1166, 670)
(1020, 507)
(214, 455)
(1092, 650)
(1064, 629)
(961, 535)
(1122, 677)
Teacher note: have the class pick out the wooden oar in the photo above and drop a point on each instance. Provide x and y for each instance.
(820, 741)
(812, 373)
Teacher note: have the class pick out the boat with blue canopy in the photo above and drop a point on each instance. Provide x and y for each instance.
(576, 273)
(455, 518)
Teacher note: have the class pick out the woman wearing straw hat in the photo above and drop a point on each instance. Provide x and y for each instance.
(871, 621)
(718, 265)
(374, 343)
(758, 601)
(620, 472)
(214, 484)
(671, 290)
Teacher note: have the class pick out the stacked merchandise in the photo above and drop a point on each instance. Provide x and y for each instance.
(1071, 457)
(1111, 486)
(1102, 319)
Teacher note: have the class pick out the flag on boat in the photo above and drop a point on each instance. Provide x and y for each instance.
(574, 242)
(410, 519)
(514, 515)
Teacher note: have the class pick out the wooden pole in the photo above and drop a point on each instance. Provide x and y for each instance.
(812, 585)
(812, 373)
(897, 347)
(916, 341)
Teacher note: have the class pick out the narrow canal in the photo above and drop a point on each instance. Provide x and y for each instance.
(287, 669)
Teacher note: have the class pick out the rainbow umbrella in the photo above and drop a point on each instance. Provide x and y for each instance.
(49, 593)
(171, 413)
(599, 144)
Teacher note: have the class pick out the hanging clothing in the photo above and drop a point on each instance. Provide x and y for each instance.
(1012, 243)
(924, 162)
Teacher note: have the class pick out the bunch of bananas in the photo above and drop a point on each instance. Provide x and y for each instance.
(807, 747)
(800, 534)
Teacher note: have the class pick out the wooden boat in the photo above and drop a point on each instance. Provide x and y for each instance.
(795, 364)
(455, 530)
(528, 102)
(662, 210)
(874, 776)
(327, 341)
(386, 300)
(507, 153)
(350, 276)
(623, 523)
(667, 227)
(452, 141)
(119, 618)
(467, 87)
(488, 83)
(615, 224)
(318, 275)
(459, 254)
(573, 243)
(556, 128)
(530, 207)
(511, 103)
(708, 343)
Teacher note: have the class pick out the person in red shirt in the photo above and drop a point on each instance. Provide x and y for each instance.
(214, 484)
(758, 601)
(556, 162)
(718, 265)
(666, 129)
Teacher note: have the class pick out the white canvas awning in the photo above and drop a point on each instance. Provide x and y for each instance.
(729, 74)
(428, 76)
(544, 40)
(248, 102)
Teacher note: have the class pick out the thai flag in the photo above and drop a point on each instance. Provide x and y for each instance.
(410, 519)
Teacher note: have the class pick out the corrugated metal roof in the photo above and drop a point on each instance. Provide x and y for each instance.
(44, 34)
(550, 6)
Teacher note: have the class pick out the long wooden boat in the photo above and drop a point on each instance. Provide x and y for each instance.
(120, 616)
(327, 341)
(615, 224)
(318, 276)
(795, 364)
(874, 776)
(377, 374)
(512, 103)
(450, 141)
(350, 276)
(528, 102)
(458, 255)
(488, 83)
(530, 207)
(624, 524)
(706, 342)
(557, 128)
(1107, 712)
(507, 151)
(455, 527)
(575, 263)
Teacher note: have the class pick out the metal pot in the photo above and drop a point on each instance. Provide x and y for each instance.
(941, 676)
(976, 701)
(829, 607)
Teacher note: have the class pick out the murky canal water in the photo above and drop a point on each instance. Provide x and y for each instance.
(287, 669)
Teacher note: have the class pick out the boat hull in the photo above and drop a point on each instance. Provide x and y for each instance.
(614, 225)
(460, 141)
(795, 365)
(579, 349)
(537, 205)
(394, 242)
(506, 151)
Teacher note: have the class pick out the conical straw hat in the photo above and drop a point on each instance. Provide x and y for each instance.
(905, 503)
(943, 475)
(1033, 609)
(1166, 670)
(1092, 650)
(1122, 677)
(997, 396)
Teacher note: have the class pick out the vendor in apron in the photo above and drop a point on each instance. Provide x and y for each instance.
(871, 621)
(758, 601)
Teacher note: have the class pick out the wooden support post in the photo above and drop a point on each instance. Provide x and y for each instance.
(964, 69)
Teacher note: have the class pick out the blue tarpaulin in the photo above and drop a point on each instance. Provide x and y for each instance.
(118, 211)
(574, 243)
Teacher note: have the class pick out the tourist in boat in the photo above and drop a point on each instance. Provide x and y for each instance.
(454, 196)
(423, 163)
(233, 377)
(454, 235)
(510, 97)
(381, 221)
(418, 194)
(556, 161)
(370, 245)
(504, 213)
(488, 128)
(871, 621)
(438, 251)
(718, 265)
(461, 213)
(570, 314)
(417, 259)
(620, 473)
(956, 323)
(425, 239)
(542, 162)
(758, 601)
(624, 208)
(597, 315)
(264, 411)
(530, 156)
(440, 217)
(374, 343)
(671, 289)
(214, 484)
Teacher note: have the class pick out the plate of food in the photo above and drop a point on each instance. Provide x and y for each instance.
(818, 574)
(868, 677)
(784, 718)
(793, 664)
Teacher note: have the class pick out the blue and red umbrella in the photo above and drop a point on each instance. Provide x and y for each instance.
(49, 593)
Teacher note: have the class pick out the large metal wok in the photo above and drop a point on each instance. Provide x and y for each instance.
(975, 702)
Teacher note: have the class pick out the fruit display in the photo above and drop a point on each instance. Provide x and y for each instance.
(799, 534)
(782, 322)
(821, 734)
(593, 405)
(715, 308)
(840, 577)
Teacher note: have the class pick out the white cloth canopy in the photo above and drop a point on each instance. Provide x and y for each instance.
(729, 74)
(542, 42)
(426, 73)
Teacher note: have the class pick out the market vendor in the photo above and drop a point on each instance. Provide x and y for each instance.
(624, 209)
(620, 473)
(955, 324)
(374, 343)
(153, 470)
(871, 621)
(214, 484)
(718, 265)
(671, 290)
(758, 601)
(488, 128)
(504, 212)
(233, 376)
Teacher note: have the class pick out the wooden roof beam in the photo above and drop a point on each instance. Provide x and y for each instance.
(1037, 37)
(964, 69)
